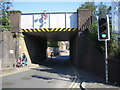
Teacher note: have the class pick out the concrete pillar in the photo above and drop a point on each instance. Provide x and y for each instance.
(76, 47)
(15, 20)
(8, 49)
(74, 50)
(83, 16)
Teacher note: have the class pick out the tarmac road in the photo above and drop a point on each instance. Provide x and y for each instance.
(56, 73)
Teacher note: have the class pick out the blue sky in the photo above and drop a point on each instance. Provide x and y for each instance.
(29, 7)
(38, 7)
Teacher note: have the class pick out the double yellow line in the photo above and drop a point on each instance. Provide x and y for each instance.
(75, 83)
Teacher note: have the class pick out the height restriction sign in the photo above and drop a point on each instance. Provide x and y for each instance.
(44, 16)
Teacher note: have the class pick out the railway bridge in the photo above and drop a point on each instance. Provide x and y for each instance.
(39, 28)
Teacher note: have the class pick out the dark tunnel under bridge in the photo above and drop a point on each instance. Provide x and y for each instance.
(36, 42)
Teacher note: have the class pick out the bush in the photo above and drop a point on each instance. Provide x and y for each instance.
(53, 44)
(113, 44)
(6, 27)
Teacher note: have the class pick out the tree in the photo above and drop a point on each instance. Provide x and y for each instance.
(103, 9)
(113, 47)
(88, 5)
(4, 18)
(53, 44)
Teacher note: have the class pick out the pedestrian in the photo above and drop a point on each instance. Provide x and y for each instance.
(51, 55)
(19, 62)
(25, 62)
(24, 59)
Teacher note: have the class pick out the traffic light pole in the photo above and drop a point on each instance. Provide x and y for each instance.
(104, 35)
(106, 62)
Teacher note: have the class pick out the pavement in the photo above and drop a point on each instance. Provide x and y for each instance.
(89, 81)
(85, 81)
(13, 70)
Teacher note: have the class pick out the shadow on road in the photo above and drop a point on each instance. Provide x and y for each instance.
(49, 78)
(61, 65)
(57, 65)
(45, 78)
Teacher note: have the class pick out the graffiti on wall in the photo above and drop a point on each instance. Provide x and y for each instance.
(41, 20)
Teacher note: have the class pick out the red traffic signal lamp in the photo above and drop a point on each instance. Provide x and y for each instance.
(103, 28)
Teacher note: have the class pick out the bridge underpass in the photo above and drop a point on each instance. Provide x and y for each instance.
(36, 42)
(70, 26)
(39, 28)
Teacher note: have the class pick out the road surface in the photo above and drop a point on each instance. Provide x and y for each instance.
(56, 73)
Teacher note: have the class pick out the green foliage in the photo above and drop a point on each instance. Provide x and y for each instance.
(58, 44)
(5, 6)
(53, 44)
(8, 27)
(93, 37)
(5, 20)
(103, 9)
(88, 5)
(113, 45)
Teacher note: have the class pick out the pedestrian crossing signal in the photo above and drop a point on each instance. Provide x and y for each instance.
(103, 28)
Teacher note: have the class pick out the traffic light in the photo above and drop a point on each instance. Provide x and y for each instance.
(103, 28)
